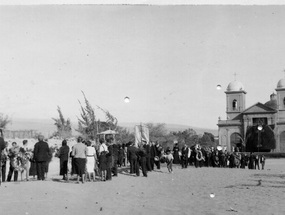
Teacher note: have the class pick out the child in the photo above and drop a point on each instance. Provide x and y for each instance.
(169, 160)
(262, 161)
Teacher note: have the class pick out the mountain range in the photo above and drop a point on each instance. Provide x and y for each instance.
(47, 127)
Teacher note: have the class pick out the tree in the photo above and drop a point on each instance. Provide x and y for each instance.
(158, 132)
(63, 126)
(208, 139)
(87, 124)
(124, 135)
(111, 121)
(4, 120)
(188, 136)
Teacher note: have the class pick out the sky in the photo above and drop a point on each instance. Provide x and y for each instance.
(167, 59)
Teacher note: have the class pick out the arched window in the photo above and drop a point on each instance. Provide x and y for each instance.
(234, 104)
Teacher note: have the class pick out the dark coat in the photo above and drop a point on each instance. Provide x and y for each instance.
(41, 151)
(115, 151)
(184, 153)
(141, 153)
(132, 152)
(63, 153)
(152, 151)
(157, 149)
(147, 149)
(2, 145)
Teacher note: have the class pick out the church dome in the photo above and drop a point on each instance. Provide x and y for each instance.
(272, 103)
(281, 84)
(235, 86)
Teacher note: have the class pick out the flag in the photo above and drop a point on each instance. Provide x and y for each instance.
(141, 134)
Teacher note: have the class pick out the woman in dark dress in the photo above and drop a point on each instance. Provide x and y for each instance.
(176, 154)
(33, 168)
(63, 160)
(103, 150)
(110, 159)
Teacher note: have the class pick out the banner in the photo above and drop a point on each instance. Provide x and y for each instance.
(141, 134)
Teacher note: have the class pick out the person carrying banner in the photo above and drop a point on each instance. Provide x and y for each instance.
(133, 159)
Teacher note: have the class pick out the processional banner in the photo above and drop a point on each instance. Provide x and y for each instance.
(141, 134)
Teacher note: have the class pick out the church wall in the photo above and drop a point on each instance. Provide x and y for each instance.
(225, 136)
(280, 146)
(280, 128)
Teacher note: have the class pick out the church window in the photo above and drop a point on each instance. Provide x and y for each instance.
(235, 104)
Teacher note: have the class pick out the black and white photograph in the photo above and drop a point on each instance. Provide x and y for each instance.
(142, 107)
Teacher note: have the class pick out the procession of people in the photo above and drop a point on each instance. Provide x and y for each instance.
(101, 162)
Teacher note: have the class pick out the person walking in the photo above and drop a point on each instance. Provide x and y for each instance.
(132, 157)
(79, 153)
(103, 151)
(176, 153)
(41, 155)
(13, 153)
(63, 155)
(148, 154)
(48, 161)
(184, 156)
(262, 161)
(256, 161)
(90, 161)
(169, 160)
(26, 156)
(152, 155)
(141, 154)
(121, 155)
(158, 149)
(115, 159)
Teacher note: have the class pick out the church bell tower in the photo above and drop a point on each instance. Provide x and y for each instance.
(235, 95)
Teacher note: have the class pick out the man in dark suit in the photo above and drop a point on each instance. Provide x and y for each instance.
(158, 150)
(110, 158)
(147, 151)
(141, 154)
(41, 154)
(152, 155)
(184, 156)
(133, 159)
(115, 159)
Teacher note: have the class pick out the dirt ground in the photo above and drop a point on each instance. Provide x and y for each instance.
(186, 191)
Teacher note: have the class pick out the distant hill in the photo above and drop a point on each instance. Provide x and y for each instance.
(174, 127)
(47, 127)
(44, 126)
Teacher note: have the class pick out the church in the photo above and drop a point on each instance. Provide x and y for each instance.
(258, 128)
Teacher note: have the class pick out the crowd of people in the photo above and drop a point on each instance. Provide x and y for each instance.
(24, 160)
(216, 157)
(91, 162)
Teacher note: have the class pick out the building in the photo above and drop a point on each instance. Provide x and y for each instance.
(260, 127)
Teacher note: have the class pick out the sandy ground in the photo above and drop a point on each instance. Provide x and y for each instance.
(186, 191)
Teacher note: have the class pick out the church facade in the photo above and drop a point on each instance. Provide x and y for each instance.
(260, 127)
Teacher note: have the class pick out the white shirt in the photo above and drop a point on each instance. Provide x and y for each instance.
(103, 148)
